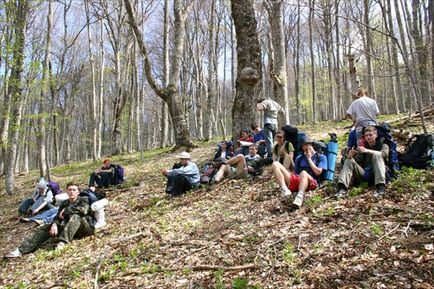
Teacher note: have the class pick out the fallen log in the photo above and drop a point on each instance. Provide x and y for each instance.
(223, 268)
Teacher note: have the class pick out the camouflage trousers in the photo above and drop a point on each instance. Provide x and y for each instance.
(77, 226)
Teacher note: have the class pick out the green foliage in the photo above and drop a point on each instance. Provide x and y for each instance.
(357, 191)
(218, 277)
(376, 230)
(409, 180)
(21, 285)
(240, 283)
(288, 253)
(314, 201)
(150, 268)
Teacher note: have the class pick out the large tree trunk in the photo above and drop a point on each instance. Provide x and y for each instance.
(278, 72)
(164, 111)
(312, 61)
(210, 119)
(15, 90)
(368, 50)
(169, 94)
(249, 70)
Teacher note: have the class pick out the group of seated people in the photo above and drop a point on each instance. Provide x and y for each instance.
(74, 213)
(294, 174)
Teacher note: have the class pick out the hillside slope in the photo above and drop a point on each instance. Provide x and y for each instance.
(238, 235)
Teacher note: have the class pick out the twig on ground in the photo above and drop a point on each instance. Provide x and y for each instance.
(388, 233)
(232, 268)
(299, 243)
(406, 228)
(122, 240)
(98, 267)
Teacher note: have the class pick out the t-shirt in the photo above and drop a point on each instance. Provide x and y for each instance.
(281, 151)
(364, 111)
(301, 164)
(250, 158)
(271, 109)
(39, 198)
(259, 136)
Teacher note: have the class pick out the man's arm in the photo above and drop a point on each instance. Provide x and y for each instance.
(80, 207)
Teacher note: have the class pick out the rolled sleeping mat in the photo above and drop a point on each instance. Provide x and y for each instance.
(332, 153)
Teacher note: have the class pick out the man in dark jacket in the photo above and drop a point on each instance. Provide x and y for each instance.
(103, 177)
(72, 220)
(366, 163)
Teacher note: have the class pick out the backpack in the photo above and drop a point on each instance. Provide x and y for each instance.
(291, 135)
(384, 135)
(419, 152)
(54, 188)
(209, 170)
(119, 175)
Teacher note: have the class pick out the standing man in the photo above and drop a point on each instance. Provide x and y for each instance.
(363, 111)
(271, 109)
(72, 220)
(182, 177)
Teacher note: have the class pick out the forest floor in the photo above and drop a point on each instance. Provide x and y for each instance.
(237, 235)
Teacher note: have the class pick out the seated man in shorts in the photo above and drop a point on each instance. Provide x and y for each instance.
(237, 167)
(309, 168)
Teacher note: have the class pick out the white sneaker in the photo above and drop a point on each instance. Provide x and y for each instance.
(60, 246)
(285, 192)
(298, 201)
(14, 254)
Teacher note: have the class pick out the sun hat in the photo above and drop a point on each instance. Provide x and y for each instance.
(184, 155)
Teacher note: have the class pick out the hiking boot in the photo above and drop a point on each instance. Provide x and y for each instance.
(379, 191)
(14, 254)
(298, 201)
(341, 193)
(39, 222)
(25, 220)
(285, 192)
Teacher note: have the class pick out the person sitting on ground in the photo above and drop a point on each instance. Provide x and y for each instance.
(309, 169)
(182, 177)
(238, 166)
(367, 163)
(39, 202)
(225, 150)
(244, 142)
(72, 220)
(283, 151)
(97, 202)
(103, 177)
(259, 139)
(363, 111)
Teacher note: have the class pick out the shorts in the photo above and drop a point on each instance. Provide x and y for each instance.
(233, 174)
(294, 182)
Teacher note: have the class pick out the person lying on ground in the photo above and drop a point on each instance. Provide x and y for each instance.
(225, 150)
(237, 167)
(366, 163)
(182, 177)
(39, 202)
(309, 169)
(259, 139)
(363, 111)
(74, 219)
(105, 176)
(283, 151)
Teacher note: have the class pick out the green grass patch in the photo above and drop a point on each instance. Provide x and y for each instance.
(314, 201)
(357, 191)
(288, 253)
(376, 230)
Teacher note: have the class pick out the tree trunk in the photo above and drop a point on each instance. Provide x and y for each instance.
(368, 50)
(312, 61)
(210, 119)
(164, 113)
(249, 65)
(278, 71)
(169, 94)
(15, 90)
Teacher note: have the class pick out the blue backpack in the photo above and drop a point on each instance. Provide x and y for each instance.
(119, 175)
